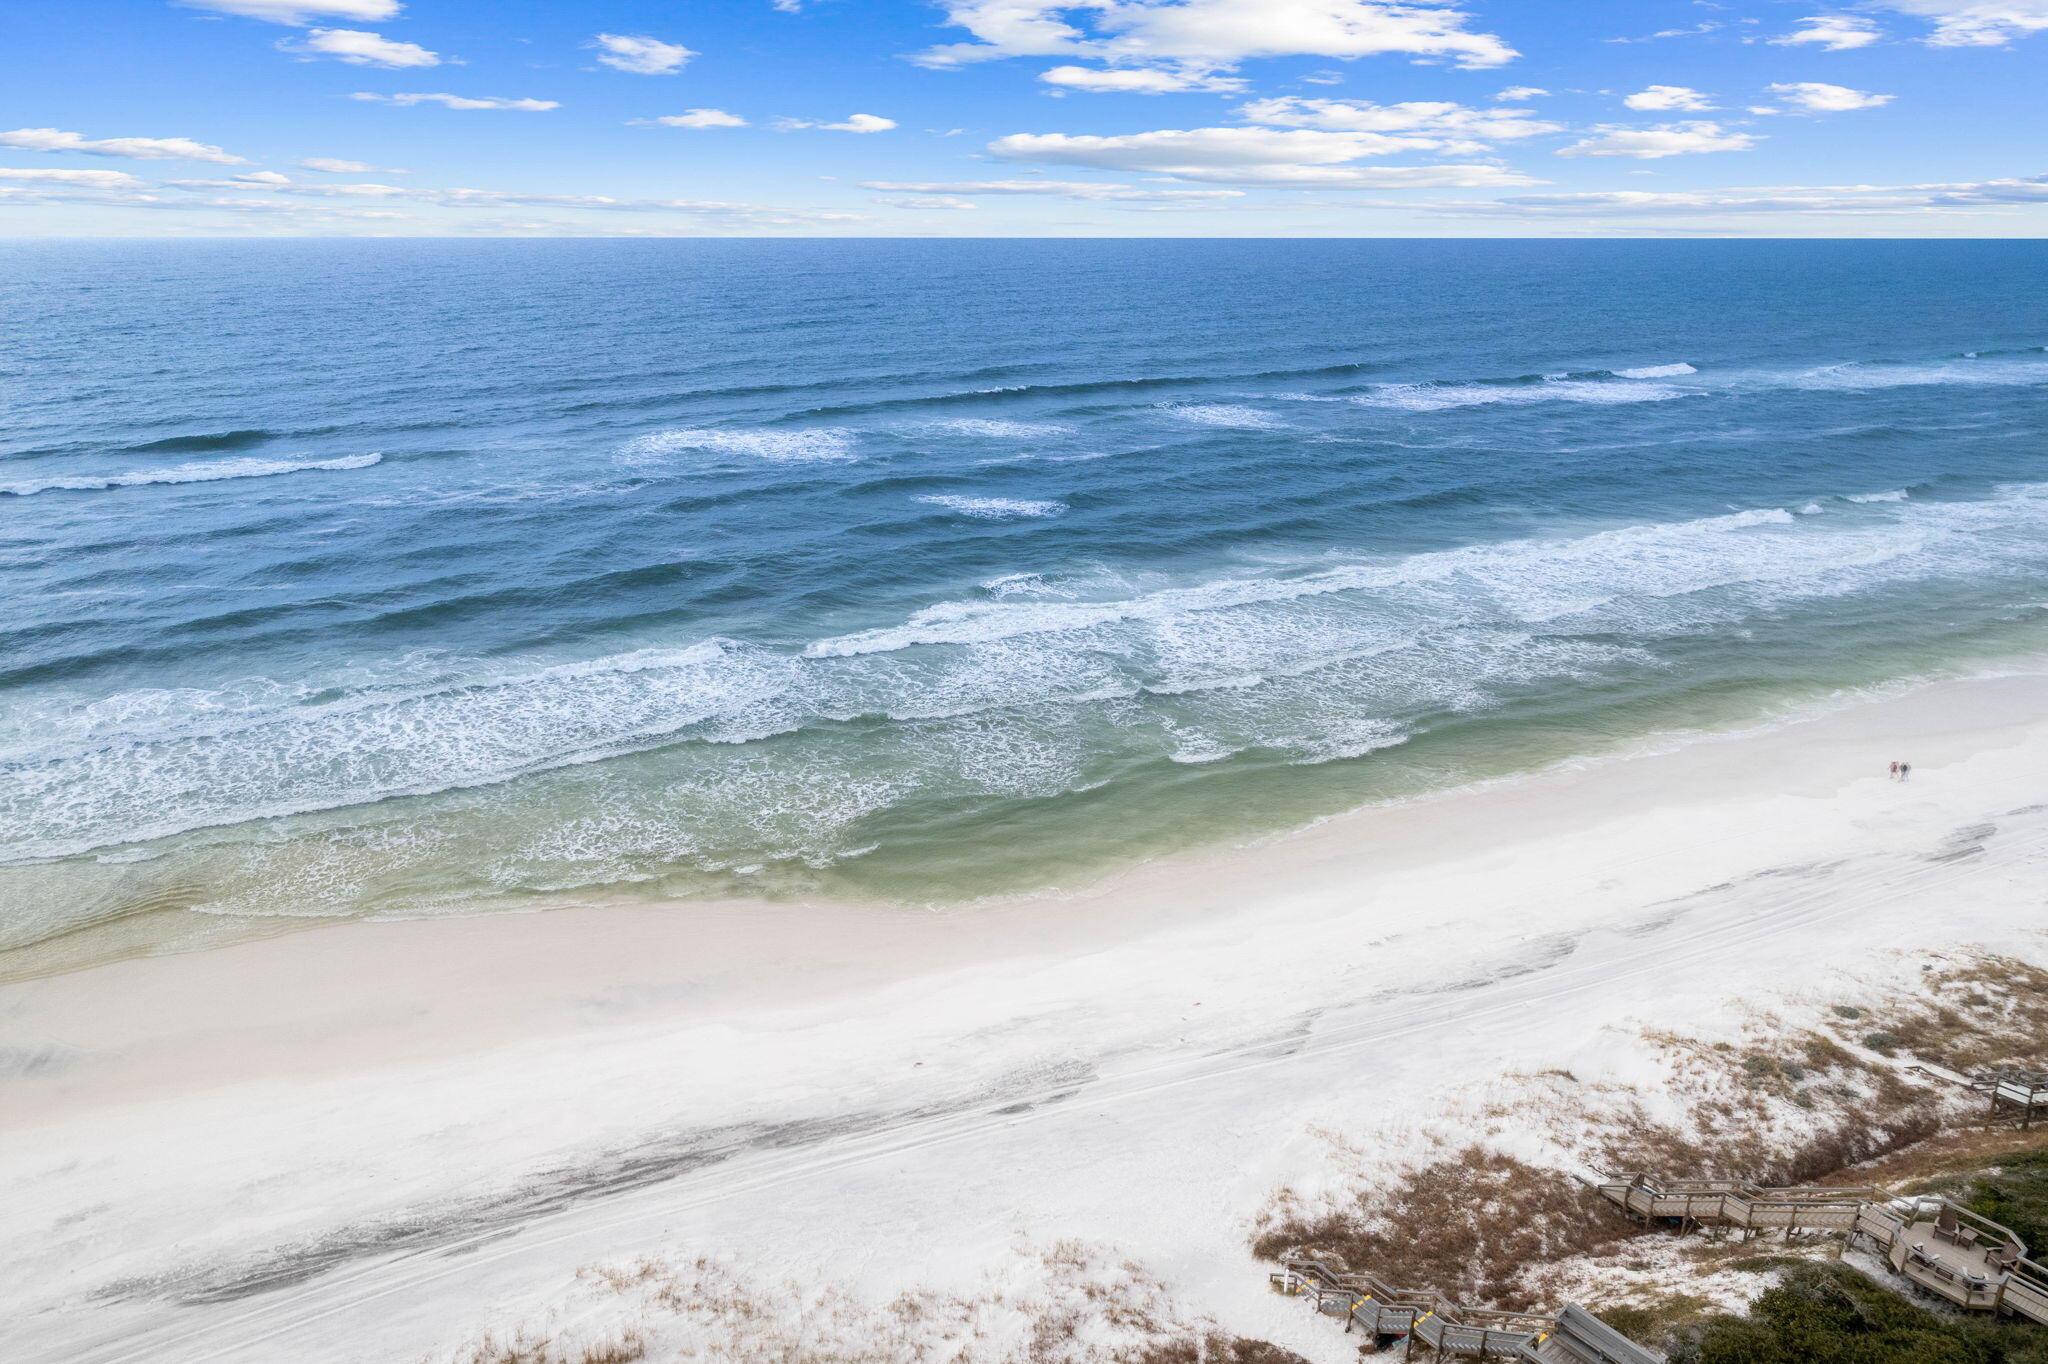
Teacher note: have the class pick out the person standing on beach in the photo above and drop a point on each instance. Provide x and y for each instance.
(1895, 771)
(1905, 771)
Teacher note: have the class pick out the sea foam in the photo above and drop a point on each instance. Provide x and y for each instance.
(1224, 414)
(995, 429)
(998, 693)
(995, 508)
(821, 444)
(1435, 397)
(185, 473)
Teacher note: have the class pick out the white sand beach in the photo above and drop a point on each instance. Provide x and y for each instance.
(370, 1141)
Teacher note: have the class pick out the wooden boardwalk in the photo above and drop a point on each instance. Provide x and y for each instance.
(2018, 1097)
(1941, 1246)
(1422, 1318)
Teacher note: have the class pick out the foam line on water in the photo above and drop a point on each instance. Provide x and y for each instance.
(996, 508)
(994, 429)
(1224, 414)
(185, 473)
(1435, 397)
(1316, 664)
(813, 444)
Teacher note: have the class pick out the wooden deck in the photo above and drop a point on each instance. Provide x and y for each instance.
(2019, 1097)
(1977, 1265)
(1408, 1318)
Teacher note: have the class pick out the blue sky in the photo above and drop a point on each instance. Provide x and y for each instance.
(1020, 118)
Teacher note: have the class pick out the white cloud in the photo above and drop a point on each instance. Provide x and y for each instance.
(1323, 78)
(1834, 32)
(1831, 200)
(134, 148)
(1063, 189)
(640, 55)
(1975, 23)
(263, 178)
(861, 123)
(928, 201)
(699, 118)
(90, 179)
(1360, 177)
(753, 214)
(1250, 156)
(1668, 97)
(1428, 119)
(1516, 93)
(197, 196)
(1822, 98)
(301, 12)
(285, 185)
(1642, 203)
(853, 123)
(336, 166)
(1171, 149)
(1709, 26)
(460, 101)
(314, 213)
(1666, 139)
(360, 48)
(1138, 80)
(1215, 34)
(2025, 189)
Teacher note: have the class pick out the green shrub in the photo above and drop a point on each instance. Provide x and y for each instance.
(1830, 1314)
(2015, 1195)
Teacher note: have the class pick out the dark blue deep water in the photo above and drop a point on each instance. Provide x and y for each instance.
(381, 576)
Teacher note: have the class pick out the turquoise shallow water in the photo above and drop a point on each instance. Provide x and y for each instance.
(349, 578)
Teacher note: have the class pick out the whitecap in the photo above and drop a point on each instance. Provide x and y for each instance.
(813, 444)
(1656, 371)
(1438, 397)
(1225, 414)
(996, 429)
(1526, 580)
(1891, 495)
(186, 473)
(1315, 663)
(1019, 585)
(995, 508)
(1985, 372)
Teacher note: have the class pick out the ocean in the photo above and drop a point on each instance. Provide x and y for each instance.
(373, 578)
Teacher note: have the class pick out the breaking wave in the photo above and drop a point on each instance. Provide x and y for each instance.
(1436, 397)
(818, 443)
(1022, 689)
(1224, 414)
(185, 473)
(996, 429)
(995, 508)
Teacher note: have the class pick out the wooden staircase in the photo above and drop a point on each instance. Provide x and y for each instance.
(1941, 1246)
(1422, 1317)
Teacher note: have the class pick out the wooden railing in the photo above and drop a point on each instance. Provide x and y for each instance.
(1738, 1203)
(1962, 1273)
(1451, 1329)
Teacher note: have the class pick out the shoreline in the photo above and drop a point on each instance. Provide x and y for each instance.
(420, 987)
(167, 930)
(450, 1054)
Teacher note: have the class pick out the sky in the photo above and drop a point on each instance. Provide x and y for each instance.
(1126, 118)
